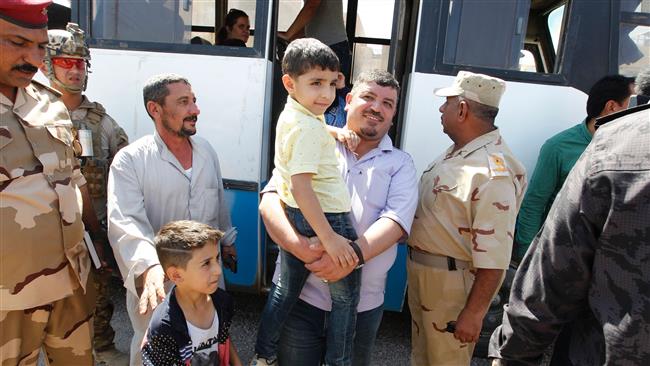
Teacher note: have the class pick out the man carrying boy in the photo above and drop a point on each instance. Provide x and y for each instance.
(382, 181)
(192, 325)
(316, 200)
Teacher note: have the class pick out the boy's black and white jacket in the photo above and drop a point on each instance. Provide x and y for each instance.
(168, 342)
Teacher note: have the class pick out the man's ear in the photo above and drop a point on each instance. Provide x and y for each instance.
(288, 83)
(154, 109)
(348, 99)
(463, 110)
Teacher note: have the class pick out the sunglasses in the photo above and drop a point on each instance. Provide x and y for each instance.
(68, 63)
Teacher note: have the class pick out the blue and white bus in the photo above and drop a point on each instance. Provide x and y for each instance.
(549, 52)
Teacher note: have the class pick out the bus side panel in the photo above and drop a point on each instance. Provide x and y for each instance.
(529, 114)
(243, 211)
(396, 282)
(230, 93)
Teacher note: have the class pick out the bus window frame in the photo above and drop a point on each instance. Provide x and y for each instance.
(431, 47)
(81, 12)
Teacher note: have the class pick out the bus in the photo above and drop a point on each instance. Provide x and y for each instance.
(549, 51)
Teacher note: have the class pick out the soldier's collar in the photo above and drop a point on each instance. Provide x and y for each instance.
(487, 138)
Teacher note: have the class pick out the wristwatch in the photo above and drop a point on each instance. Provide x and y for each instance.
(357, 251)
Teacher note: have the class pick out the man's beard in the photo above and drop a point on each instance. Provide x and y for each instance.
(183, 131)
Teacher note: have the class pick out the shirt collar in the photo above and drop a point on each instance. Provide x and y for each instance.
(485, 139)
(584, 131)
(85, 103)
(293, 104)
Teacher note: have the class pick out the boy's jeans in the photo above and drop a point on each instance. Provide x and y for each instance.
(293, 274)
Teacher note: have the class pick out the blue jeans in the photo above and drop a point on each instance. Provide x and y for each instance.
(285, 293)
(304, 337)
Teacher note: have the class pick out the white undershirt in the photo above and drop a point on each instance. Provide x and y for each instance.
(204, 341)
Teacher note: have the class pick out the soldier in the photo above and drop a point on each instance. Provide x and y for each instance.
(462, 233)
(66, 66)
(44, 264)
(587, 270)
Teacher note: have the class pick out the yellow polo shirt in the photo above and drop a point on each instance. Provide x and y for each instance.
(303, 145)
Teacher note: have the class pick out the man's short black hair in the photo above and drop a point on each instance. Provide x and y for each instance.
(305, 54)
(611, 87)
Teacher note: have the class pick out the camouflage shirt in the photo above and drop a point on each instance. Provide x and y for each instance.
(589, 268)
(108, 138)
(43, 257)
(468, 203)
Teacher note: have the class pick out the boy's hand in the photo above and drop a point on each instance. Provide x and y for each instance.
(348, 137)
(340, 250)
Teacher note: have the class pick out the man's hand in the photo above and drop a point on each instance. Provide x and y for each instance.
(468, 326)
(229, 251)
(153, 291)
(309, 250)
(99, 244)
(326, 269)
(340, 250)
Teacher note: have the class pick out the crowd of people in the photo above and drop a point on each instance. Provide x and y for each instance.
(338, 202)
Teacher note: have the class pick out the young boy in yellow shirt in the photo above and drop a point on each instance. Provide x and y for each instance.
(316, 200)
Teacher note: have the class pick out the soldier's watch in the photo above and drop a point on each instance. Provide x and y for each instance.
(357, 251)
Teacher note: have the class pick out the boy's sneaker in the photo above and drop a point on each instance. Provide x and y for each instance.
(261, 361)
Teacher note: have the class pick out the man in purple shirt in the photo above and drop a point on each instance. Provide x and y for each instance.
(381, 216)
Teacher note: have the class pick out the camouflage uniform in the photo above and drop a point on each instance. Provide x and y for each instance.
(467, 209)
(44, 264)
(587, 271)
(107, 138)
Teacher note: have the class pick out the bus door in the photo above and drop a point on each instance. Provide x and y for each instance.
(132, 40)
(378, 31)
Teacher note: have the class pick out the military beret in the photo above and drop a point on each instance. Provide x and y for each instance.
(25, 13)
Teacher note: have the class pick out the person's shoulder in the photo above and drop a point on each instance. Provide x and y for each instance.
(139, 147)
(43, 90)
(568, 134)
(160, 323)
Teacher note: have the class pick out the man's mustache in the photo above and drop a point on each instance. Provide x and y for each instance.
(26, 68)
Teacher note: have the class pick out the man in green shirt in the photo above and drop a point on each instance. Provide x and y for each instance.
(559, 153)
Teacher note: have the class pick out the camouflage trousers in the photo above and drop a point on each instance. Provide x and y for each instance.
(103, 332)
(63, 328)
(437, 296)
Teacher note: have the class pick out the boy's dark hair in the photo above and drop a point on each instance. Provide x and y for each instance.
(305, 54)
(611, 87)
(379, 77)
(176, 241)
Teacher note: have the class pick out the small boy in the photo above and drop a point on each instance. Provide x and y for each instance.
(191, 327)
(315, 197)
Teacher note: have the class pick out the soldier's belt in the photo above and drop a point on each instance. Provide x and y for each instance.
(437, 261)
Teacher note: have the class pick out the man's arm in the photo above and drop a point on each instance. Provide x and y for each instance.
(280, 230)
(470, 320)
(303, 18)
(392, 226)
(131, 234)
(542, 185)
(552, 283)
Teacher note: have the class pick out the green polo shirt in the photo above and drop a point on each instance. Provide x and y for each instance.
(556, 159)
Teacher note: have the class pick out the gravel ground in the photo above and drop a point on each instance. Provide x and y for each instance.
(392, 347)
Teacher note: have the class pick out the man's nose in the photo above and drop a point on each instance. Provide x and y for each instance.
(195, 109)
(35, 56)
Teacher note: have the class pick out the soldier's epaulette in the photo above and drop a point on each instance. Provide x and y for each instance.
(610, 117)
(38, 85)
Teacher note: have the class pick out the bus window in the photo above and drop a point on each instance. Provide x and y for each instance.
(526, 36)
(155, 24)
(371, 41)
(634, 37)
